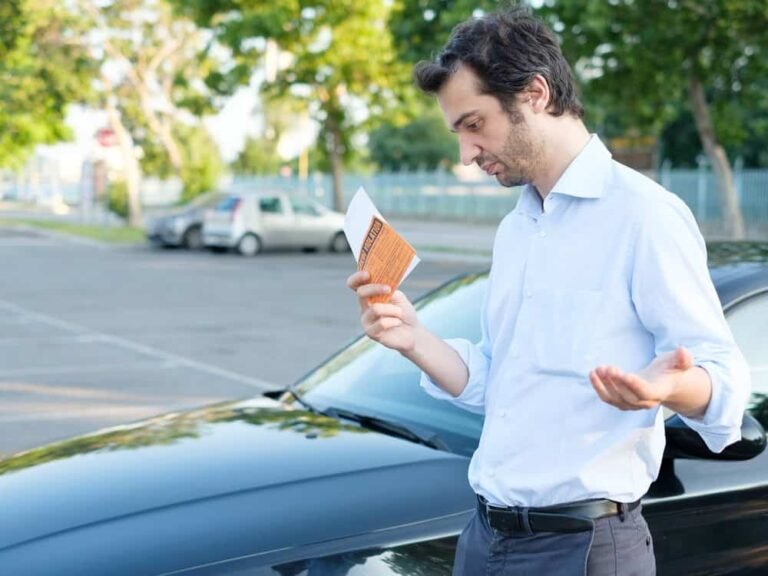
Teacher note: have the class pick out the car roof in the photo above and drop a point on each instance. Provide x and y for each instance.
(739, 270)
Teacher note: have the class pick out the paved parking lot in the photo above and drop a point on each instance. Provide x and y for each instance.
(92, 336)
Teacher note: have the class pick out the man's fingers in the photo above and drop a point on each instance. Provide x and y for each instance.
(617, 383)
(625, 391)
(358, 279)
(369, 290)
(599, 387)
(683, 358)
(377, 311)
(382, 325)
(606, 392)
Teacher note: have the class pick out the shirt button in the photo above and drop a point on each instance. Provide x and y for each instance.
(528, 294)
(491, 473)
(542, 233)
(504, 413)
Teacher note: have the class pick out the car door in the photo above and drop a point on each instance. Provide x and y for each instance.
(432, 557)
(273, 221)
(711, 517)
(311, 227)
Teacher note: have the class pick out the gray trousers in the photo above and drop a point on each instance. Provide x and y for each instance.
(618, 545)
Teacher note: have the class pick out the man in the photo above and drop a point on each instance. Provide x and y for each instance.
(599, 311)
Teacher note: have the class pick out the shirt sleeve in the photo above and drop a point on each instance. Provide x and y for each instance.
(676, 301)
(477, 358)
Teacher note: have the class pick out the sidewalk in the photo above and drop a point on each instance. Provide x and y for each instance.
(433, 240)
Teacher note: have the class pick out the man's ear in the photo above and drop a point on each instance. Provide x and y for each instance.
(538, 93)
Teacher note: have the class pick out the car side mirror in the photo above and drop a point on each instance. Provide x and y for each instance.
(684, 442)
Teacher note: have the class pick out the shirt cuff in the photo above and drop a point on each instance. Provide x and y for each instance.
(472, 398)
(720, 424)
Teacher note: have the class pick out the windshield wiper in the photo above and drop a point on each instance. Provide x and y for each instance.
(387, 427)
(300, 400)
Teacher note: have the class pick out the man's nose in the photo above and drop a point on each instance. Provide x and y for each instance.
(468, 150)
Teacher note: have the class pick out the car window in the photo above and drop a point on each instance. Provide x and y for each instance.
(749, 323)
(227, 204)
(370, 379)
(271, 205)
(304, 207)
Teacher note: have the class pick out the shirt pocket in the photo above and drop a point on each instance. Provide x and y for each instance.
(564, 327)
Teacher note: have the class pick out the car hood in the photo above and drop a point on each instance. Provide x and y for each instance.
(258, 448)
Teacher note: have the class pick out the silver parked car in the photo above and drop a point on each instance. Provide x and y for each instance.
(250, 223)
(182, 226)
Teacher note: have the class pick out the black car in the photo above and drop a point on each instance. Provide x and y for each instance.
(354, 470)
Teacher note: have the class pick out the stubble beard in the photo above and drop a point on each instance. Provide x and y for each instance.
(520, 155)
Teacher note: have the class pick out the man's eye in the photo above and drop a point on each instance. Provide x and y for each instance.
(473, 126)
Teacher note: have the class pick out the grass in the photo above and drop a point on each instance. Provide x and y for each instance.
(111, 234)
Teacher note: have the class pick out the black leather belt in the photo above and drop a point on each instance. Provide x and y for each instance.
(574, 517)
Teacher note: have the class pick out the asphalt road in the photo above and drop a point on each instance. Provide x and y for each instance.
(93, 336)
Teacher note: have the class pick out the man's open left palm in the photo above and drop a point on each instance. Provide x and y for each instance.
(645, 389)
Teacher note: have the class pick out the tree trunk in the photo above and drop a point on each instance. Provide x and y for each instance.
(337, 168)
(162, 128)
(131, 165)
(734, 221)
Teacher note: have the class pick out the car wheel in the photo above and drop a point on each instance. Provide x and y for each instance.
(339, 243)
(249, 245)
(193, 238)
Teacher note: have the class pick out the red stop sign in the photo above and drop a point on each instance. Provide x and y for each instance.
(106, 137)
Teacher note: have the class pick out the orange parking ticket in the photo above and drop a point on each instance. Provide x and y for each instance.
(385, 255)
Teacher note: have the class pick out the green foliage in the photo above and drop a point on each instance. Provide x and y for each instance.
(637, 73)
(420, 28)
(12, 22)
(154, 159)
(343, 61)
(42, 70)
(117, 199)
(258, 156)
(202, 165)
(423, 143)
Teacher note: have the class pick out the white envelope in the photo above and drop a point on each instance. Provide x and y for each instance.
(357, 221)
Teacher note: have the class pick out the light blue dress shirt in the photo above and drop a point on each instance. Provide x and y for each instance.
(609, 269)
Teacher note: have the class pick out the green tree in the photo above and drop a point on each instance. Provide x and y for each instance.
(706, 55)
(41, 72)
(151, 64)
(201, 165)
(421, 27)
(341, 60)
(258, 156)
(422, 143)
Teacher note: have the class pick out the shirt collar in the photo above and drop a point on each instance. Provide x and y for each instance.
(583, 178)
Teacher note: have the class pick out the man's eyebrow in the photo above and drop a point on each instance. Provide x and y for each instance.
(461, 119)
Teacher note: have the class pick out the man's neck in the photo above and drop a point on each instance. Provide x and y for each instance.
(562, 145)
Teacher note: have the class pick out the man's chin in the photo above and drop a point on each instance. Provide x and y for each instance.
(510, 182)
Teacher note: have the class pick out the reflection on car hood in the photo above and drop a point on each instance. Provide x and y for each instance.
(257, 448)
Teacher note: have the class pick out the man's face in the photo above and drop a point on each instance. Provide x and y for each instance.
(500, 142)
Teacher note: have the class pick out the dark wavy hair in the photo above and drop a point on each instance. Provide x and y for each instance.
(506, 50)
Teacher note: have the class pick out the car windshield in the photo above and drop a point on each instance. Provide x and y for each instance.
(228, 204)
(368, 378)
(205, 200)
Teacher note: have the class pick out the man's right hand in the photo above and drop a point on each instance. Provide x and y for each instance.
(392, 324)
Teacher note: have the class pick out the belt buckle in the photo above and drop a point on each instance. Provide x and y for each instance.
(503, 519)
